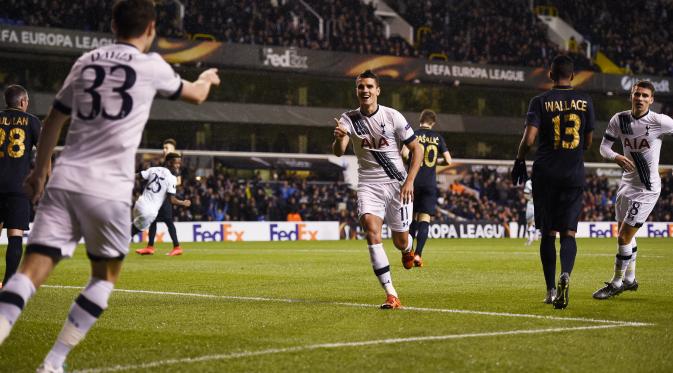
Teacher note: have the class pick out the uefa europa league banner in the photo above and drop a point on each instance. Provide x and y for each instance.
(339, 64)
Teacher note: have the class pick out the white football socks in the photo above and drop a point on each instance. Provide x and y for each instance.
(630, 274)
(84, 312)
(381, 267)
(621, 262)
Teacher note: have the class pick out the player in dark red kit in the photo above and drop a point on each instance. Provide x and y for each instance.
(564, 120)
(19, 132)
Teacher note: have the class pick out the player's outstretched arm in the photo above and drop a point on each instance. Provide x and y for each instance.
(341, 139)
(416, 150)
(447, 158)
(51, 130)
(183, 203)
(609, 154)
(196, 92)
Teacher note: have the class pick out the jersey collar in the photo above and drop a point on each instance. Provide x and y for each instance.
(372, 114)
(127, 44)
(642, 116)
(562, 87)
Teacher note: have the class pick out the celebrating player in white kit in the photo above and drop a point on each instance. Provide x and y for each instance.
(385, 190)
(530, 212)
(107, 97)
(161, 182)
(640, 131)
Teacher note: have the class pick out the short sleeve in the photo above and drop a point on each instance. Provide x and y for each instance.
(64, 97)
(166, 81)
(591, 116)
(666, 124)
(403, 128)
(442, 144)
(35, 129)
(612, 131)
(171, 188)
(145, 174)
(534, 115)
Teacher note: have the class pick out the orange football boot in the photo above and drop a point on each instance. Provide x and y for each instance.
(149, 250)
(175, 252)
(392, 302)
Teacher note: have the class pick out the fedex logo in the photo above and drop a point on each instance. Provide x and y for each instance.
(225, 233)
(665, 232)
(596, 231)
(299, 233)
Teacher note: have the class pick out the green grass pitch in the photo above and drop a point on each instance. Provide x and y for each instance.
(312, 306)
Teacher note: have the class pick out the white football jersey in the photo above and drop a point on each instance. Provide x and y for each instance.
(108, 95)
(377, 141)
(528, 190)
(641, 142)
(160, 181)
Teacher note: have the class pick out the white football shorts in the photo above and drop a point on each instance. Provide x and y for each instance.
(383, 200)
(64, 217)
(143, 216)
(634, 206)
(530, 212)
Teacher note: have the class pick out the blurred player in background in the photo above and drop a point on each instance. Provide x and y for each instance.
(160, 188)
(640, 131)
(564, 119)
(165, 214)
(107, 98)
(530, 212)
(19, 132)
(385, 190)
(425, 183)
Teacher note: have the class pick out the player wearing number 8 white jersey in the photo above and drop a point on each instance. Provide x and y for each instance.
(385, 190)
(640, 131)
(107, 95)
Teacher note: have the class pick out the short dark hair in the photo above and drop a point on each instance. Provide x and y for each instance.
(170, 141)
(562, 67)
(428, 116)
(369, 74)
(131, 17)
(13, 95)
(171, 156)
(642, 84)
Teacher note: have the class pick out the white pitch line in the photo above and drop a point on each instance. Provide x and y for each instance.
(364, 305)
(243, 354)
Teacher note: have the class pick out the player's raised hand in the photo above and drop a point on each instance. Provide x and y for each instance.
(33, 186)
(211, 76)
(407, 192)
(625, 163)
(339, 131)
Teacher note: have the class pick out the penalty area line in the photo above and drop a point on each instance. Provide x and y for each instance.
(272, 351)
(364, 305)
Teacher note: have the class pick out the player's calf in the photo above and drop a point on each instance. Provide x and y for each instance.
(84, 312)
(13, 298)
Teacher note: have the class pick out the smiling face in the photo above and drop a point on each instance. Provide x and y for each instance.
(641, 99)
(367, 91)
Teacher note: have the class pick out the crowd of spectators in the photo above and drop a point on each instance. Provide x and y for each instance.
(480, 194)
(634, 35)
(485, 31)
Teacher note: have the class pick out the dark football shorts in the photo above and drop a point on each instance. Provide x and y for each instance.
(14, 211)
(425, 199)
(557, 208)
(166, 211)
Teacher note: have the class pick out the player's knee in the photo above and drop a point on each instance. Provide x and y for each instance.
(568, 234)
(373, 237)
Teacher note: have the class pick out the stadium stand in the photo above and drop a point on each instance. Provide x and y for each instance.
(617, 29)
(484, 32)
